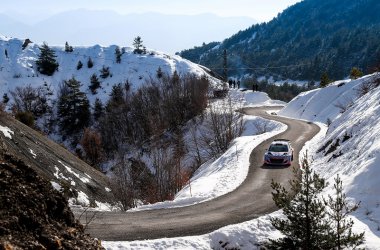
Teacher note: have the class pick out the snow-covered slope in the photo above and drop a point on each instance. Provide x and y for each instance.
(17, 67)
(324, 104)
(351, 147)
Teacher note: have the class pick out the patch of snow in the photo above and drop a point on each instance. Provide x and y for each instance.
(56, 186)
(82, 178)
(33, 154)
(107, 189)
(82, 200)
(7, 132)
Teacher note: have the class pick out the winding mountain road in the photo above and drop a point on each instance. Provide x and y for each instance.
(250, 200)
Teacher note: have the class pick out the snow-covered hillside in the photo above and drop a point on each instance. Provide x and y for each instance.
(351, 147)
(18, 68)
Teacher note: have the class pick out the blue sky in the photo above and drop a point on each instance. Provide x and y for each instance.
(261, 10)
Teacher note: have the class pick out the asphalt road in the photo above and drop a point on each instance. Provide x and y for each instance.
(251, 200)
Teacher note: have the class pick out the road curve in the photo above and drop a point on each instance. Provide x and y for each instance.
(250, 200)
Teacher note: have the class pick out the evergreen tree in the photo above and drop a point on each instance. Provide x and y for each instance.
(6, 53)
(116, 97)
(159, 73)
(138, 44)
(46, 63)
(324, 80)
(73, 108)
(98, 109)
(5, 98)
(68, 48)
(105, 72)
(342, 236)
(90, 63)
(306, 225)
(79, 65)
(95, 84)
(355, 73)
(118, 55)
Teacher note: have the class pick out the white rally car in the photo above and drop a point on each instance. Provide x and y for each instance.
(280, 152)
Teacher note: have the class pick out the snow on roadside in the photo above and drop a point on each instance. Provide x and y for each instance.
(256, 99)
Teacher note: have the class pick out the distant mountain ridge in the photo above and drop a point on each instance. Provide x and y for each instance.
(307, 39)
(169, 33)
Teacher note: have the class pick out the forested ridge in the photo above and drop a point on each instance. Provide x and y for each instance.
(303, 42)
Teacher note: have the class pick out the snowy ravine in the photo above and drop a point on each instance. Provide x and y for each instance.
(18, 68)
(357, 159)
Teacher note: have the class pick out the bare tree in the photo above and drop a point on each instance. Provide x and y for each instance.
(122, 183)
(29, 99)
(224, 125)
(261, 126)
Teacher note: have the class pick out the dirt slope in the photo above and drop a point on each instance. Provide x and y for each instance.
(32, 214)
(52, 161)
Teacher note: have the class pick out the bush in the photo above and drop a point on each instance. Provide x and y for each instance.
(355, 73)
(25, 117)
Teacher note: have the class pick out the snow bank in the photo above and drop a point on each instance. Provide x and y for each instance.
(257, 99)
(320, 105)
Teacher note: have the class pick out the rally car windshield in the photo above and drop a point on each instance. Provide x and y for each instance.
(278, 148)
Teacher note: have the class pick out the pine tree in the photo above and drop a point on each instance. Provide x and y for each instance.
(95, 84)
(118, 55)
(90, 63)
(98, 109)
(355, 73)
(73, 108)
(324, 80)
(68, 48)
(138, 44)
(79, 65)
(159, 73)
(6, 53)
(116, 97)
(105, 72)
(306, 224)
(342, 236)
(46, 63)
(5, 98)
